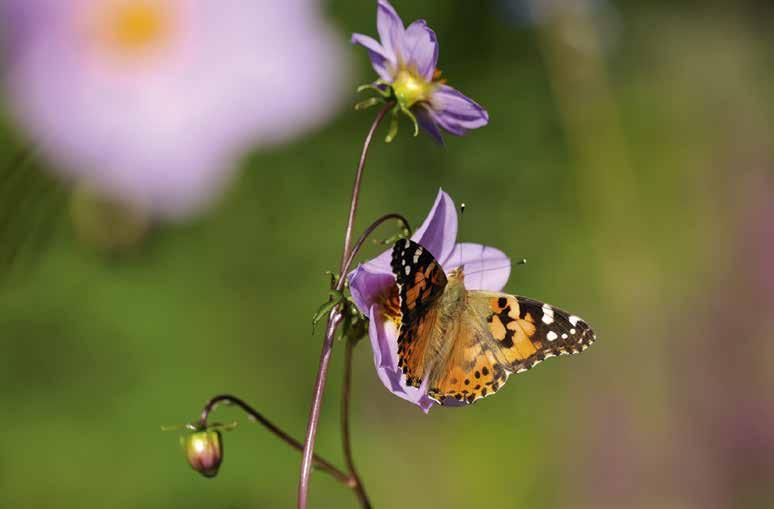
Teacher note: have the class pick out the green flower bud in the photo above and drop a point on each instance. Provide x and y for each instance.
(204, 451)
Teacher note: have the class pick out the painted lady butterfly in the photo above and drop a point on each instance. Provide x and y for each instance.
(465, 343)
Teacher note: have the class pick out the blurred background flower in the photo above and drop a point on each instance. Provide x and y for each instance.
(153, 102)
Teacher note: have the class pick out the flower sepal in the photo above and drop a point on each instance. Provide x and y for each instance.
(387, 93)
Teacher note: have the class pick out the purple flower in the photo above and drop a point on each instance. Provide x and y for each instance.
(154, 101)
(374, 292)
(405, 61)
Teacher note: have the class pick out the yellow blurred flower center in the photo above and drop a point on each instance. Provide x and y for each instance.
(410, 88)
(135, 27)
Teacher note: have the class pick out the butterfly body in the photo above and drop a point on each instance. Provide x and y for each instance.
(463, 344)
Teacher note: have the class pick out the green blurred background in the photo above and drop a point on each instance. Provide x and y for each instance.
(628, 158)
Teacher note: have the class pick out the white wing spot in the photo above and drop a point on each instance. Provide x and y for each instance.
(551, 335)
(572, 331)
(522, 370)
(549, 355)
(548, 314)
(407, 270)
(564, 336)
(574, 320)
(418, 253)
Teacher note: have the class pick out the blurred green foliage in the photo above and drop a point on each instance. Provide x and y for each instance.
(100, 349)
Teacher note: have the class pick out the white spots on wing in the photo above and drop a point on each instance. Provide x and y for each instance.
(548, 314)
(572, 331)
(551, 335)
(574, 320)
(521, 370)
(407, 270)
(417, 254)
(564, 336)
(403, 262)
(406, 243)
(536, 362)
(549, 355)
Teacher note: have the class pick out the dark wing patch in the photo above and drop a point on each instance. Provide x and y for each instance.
(421, 280)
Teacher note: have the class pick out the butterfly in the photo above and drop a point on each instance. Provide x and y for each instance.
(464, 344)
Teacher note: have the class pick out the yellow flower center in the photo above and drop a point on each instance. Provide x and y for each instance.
(133, 27)
(410, 88)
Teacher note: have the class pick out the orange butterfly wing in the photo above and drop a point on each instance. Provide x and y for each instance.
(421, 281)
(501, 334)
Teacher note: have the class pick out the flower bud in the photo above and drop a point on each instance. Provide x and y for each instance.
(204, 451)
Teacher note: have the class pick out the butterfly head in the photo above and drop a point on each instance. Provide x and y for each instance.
(458, 274)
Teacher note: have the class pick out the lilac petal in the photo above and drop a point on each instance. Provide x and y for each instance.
(369, 281)
(438, 234)
(368, 284)
(421, 46)
(426, 122)
(384, 343)
(455, 112)
(486, 268)
(380, 61)
(390, 28)
(448, 124)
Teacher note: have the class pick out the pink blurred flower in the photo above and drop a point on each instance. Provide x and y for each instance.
(154, 101)
(372, 286)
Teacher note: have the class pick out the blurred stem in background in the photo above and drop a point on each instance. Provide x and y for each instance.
(608, 195)
(31, 206)
(573, 51)
(334, 319)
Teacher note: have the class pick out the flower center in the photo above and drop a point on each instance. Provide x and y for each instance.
(411, 89)
(134, 27)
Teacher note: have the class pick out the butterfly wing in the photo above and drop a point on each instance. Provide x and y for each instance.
(421, 281)
(474, 368)
(527, 331)
(502, 334)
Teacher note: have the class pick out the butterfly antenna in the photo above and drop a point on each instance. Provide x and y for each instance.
(489, 269)
(462, 213)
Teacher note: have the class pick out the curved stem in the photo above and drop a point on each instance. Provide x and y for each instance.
(358, 179)
(292, 442)
(346, 441)
(333, 320)
(368, 231)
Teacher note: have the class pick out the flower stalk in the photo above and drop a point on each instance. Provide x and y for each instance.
(334, 319)
(256, 416)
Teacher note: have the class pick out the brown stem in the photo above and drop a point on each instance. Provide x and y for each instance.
(292, 442)
(346, 441)
(333, 321)
(356, 186)
(368, 231)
